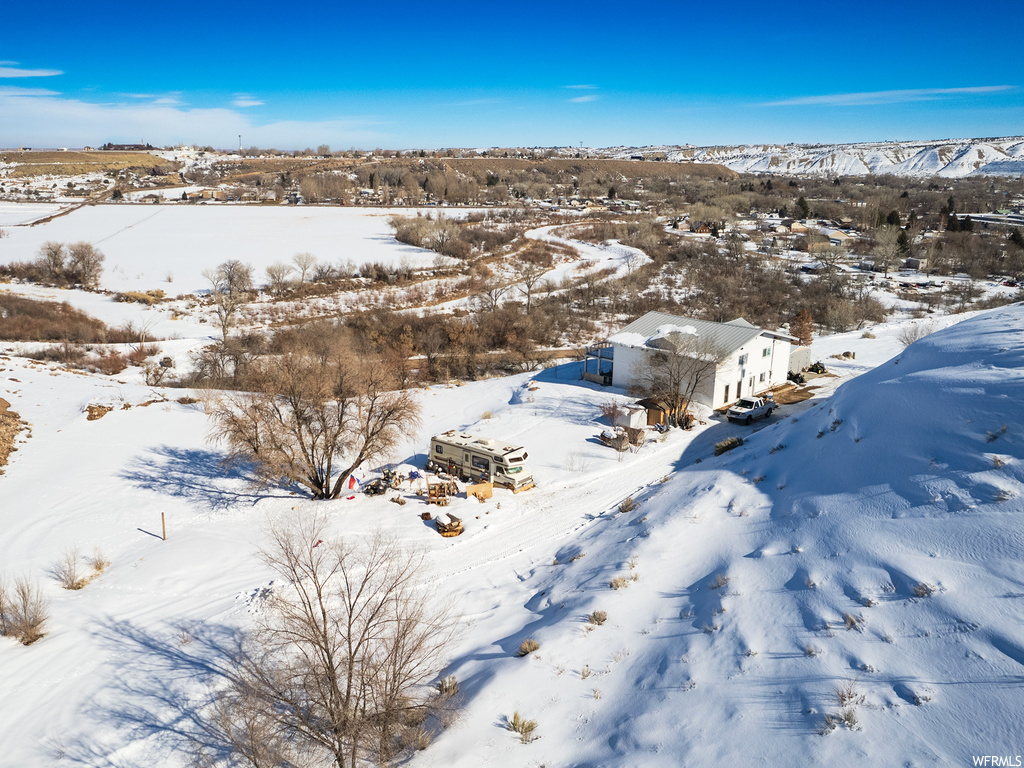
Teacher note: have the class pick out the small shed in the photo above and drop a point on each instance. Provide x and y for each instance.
(657, 412)
(632, 417)
(799, 359)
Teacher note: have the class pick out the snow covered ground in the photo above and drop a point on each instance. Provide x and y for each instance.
(145, 245)
(903, 477)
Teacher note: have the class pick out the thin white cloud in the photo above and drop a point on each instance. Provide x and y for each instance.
(46, 118)
(168, 101)
(7, 71)
(885, 97)
(580, 99)
(582, 87)
(246, 100)
(13, 90)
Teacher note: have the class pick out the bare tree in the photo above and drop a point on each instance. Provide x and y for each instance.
(85, 264)
(315, 414)
(52, 257)
(338, 665)
(230, 285)
(676, 370)
(830, 258)
(529, 276)
(304, 263)
(24, 610)
(277, 277)
(887, 248)
(488, 296)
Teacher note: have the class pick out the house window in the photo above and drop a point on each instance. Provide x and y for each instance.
(743, 360)
(766, 352)
(726, 393)
(762, 377)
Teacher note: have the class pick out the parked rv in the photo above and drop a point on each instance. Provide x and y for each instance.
(481, 459)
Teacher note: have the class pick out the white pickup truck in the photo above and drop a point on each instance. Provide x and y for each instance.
(749, 408)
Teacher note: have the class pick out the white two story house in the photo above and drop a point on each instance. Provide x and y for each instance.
(751, 360)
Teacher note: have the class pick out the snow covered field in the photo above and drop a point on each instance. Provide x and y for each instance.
(13, 214)
(146, 244)
(833, 504)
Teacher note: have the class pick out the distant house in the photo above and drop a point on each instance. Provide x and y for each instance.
(798, 226)
(920, 264)
(753, 359)
(840, 238)
(700, 228)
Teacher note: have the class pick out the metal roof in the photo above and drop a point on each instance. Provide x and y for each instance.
(727, 336)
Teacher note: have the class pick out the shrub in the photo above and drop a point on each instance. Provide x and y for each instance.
(111, 363)
(527, 647)
(776, 448)
(912, 333)
(627, 505)
(66, 570)
(448, 687)
(727, 445)
(98, 562)
(524, 728)
(847, 694)
(24, 611)
(853, 622)
(619, 582)
(585, 672)
(991, 437)
(923, 589)
(720, 581)
(598, 617)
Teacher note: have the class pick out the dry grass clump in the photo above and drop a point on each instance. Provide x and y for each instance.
(719, 581)
(597, 617)
(24, 610)
(619, 582)
(853, 622)
(524, 728)
(98, 562)
(527, 647)
(10, 426)
(727, 445)
(448, 687)
(65, 570)
(923, 589)
(627, 505)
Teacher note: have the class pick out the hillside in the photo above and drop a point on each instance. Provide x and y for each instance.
(875, 542)
(951, 158)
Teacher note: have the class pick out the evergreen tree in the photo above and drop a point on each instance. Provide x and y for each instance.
(893, 219)
(952, 223)
(903, 243)
(966, 224)
(802, 327)
(1017, 238)
(804, 208)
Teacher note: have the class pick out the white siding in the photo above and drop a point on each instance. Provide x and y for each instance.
(773, 366)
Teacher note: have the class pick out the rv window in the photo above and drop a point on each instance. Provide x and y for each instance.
(514, 470)
(517, 459)
(438, 449)
(480, 462)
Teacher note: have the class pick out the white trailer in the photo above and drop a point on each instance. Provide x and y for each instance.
(480, 458)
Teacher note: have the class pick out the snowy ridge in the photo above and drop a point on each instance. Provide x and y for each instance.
(951, 158)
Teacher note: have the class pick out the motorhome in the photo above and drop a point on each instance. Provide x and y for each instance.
(481, 459)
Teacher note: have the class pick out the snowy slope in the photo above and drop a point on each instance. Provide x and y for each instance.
(953, 158)
(900, 489)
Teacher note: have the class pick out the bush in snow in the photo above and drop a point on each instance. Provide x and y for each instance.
(528, 646)
(24, 611)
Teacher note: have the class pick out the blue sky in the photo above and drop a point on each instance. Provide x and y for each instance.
(400, 75)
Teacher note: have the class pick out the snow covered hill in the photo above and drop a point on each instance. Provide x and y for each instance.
(952, 158)
(869, 549)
